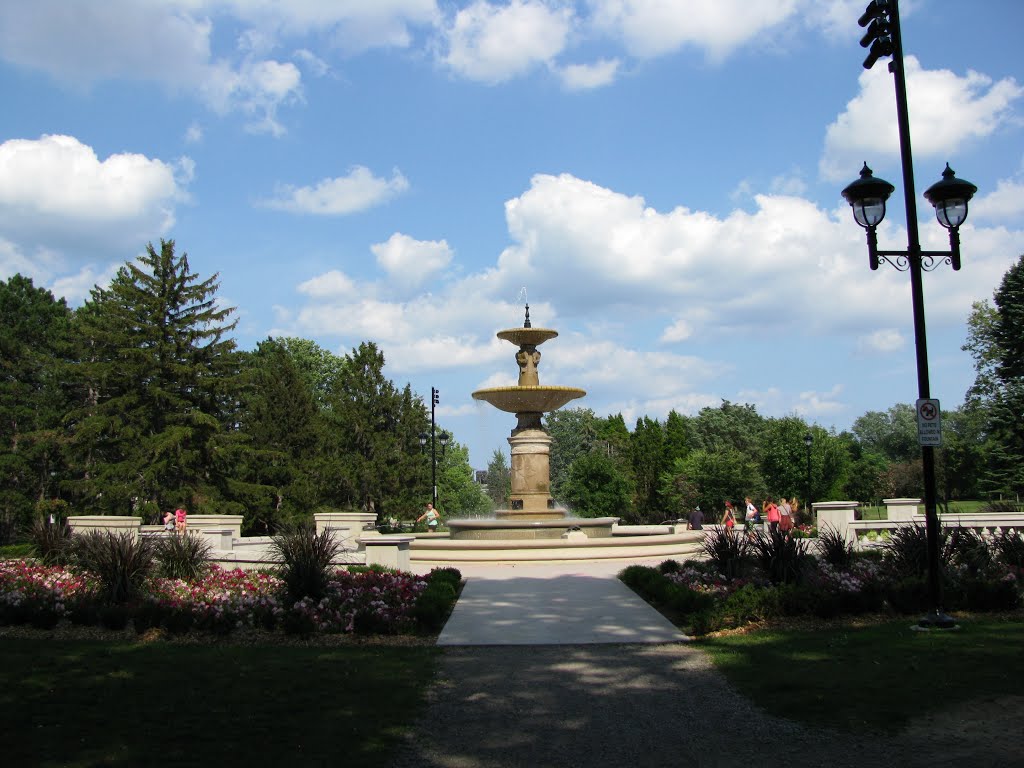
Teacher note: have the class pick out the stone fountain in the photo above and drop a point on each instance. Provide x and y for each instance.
(533, 513)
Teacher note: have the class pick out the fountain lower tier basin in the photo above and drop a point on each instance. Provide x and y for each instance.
(512, 528)
(433, 552)
(536, 399)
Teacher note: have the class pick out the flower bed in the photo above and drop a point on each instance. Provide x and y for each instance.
(367, 601)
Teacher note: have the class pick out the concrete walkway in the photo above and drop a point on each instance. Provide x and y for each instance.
(573, 604)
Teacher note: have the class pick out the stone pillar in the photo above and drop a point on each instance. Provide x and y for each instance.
(531, 472)
(901, 509)
(836, 515)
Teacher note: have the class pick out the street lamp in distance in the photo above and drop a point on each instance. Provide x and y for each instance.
(808, 441)
(434, 438)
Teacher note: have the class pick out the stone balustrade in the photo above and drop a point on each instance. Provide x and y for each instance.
(391, 551)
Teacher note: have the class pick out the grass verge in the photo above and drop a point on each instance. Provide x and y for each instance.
(854, 676)
(84, 703)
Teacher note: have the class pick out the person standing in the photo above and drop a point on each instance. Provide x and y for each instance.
(696, 521)
(771, 511)
(785, 516)
(431, 517)
(750, 517)
(729, 517)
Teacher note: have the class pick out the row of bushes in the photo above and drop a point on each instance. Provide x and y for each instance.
(107, 579)
(767, 576)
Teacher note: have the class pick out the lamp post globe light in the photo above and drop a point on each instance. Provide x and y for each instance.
(950, 197)
(434, 438)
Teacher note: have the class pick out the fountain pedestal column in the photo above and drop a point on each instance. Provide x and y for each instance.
(531, 484)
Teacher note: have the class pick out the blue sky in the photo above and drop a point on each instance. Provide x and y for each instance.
(663, 178)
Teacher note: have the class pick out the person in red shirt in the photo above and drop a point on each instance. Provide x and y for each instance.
(180, 520)
(772, 513)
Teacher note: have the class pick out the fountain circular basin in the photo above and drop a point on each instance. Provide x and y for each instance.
(523, 336)
(535, 399)
(592, 528)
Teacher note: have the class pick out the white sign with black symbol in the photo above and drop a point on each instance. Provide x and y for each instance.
(929, 423)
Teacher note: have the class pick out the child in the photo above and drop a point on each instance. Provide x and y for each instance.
(169, 521)
(180, 520)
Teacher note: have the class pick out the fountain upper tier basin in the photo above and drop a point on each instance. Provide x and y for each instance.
(528, 399)
(521, 336)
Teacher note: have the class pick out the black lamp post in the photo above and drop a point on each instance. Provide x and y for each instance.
(435, 397)
(950, 196)
(808, 440)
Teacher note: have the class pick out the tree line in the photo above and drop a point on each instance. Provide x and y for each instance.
(662, 469)
(139, 401)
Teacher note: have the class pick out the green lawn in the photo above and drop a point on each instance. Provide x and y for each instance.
(120, 703)
(875, 677)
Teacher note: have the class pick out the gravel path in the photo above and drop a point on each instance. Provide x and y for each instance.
(634, 705)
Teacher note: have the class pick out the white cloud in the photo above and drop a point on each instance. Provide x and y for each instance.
(883, 341)
(650, 28)
(946, 110)
(56, 192)
(492, 43)
(82, 43)
(341, 195)
(1004, 203)
(580, 77)
(409, 262)
(333, 284)
(194, 133)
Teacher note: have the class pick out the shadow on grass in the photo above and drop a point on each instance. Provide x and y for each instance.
(90, 703)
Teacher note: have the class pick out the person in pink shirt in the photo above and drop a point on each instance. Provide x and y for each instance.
(772, 513)
(180, 520)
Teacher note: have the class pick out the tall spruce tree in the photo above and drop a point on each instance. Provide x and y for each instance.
(157, 379)
(33, 344)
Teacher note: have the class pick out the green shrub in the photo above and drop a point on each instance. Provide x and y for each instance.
(43, 616)
(306, 560)
(908, 595)
(182, 557)
(906, 553)
(121, 562)
(727, 550)
(781, 558)
(448, 575)
(705, 622)
(670, 566)
(834, 547)
(968, 551)
(751, 603)
(114, 616)
(434, 605)
(1008, 547)
(52, 543)
(989, 594)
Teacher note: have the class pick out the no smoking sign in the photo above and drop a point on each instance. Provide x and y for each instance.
(929, 423)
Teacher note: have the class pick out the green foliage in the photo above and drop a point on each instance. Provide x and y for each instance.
(53, 544)
(154, 376)
(906, 552)
(121, 562)
(306, 560)
(1009, 549)
(182, 557)
(835, 549)
(783, 559)
(727, 550)
(573, 433)
(708, 478)
(499, 480)
(434, 604)
(596, 487)
(447, 575)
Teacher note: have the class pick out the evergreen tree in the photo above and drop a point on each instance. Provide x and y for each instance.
(156, 376)
(596, 487)
(573, 433)
(371, 439)
(34, 331)
(459, 495)
(647, 454)
(499, 480)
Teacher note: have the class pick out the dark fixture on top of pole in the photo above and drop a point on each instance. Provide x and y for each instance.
(435, 398)
(950, 197)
